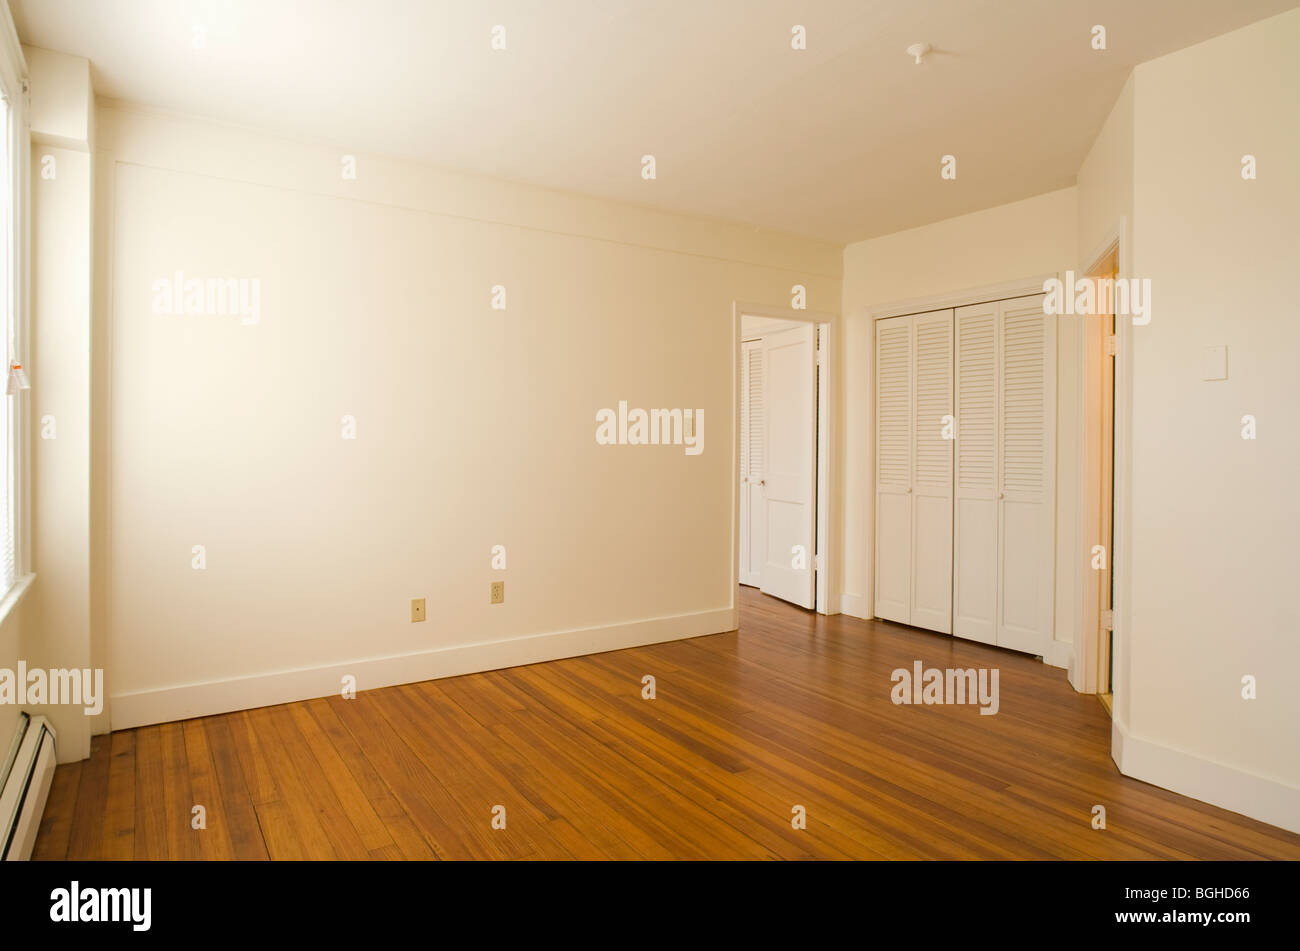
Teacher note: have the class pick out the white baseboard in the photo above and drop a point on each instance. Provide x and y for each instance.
(1059, 654)
(1255, 796)
(855, 605)
(165, 704)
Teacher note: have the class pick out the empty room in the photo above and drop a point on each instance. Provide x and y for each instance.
(848, 430)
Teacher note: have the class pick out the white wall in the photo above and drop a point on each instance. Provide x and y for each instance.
(1024, 239)
(1215, 517)
(1105, 182)
(754, 328)
(59, 613)
(12, 631)
(60, 96)
(475, 427)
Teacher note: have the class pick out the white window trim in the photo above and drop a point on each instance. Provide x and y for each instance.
(14, 81)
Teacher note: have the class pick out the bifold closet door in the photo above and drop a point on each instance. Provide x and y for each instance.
(1027, 483)
(931, 485)
(975, 514)
(893, 600)
(914, 470)
(1004, 532)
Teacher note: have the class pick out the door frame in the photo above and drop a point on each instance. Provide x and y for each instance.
(824, 563)
(1085, 672)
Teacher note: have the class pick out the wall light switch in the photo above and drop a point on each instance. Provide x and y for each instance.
(1215, 363)
(498, 592)
(417, 609)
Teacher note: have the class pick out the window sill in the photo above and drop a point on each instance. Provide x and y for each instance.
(16, 594)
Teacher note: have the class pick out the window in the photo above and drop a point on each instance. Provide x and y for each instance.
(8, 418)
(14, 148)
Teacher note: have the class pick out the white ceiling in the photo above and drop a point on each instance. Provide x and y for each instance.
(841, 141)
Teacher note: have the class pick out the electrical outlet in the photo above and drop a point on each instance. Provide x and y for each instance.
(498, 592)
(417, 609)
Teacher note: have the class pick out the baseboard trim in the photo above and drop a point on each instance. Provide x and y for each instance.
(166, 704)
(854, 605)
(1189, 775)
(1059, 654)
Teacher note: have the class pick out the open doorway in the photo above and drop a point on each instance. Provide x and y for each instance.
(783, 493)
(1098, 486)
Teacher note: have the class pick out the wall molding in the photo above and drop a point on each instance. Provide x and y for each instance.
(1059, 654)
(166, 704)
(975, 295)
(150, 137)
(1189, 775)
(855, 605)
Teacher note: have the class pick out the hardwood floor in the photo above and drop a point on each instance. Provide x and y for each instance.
(793, 709)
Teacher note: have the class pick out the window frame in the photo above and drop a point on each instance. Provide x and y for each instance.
(15, 87)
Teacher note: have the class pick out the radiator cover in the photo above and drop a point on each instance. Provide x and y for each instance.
(22, 798)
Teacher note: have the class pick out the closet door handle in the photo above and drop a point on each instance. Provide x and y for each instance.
(909, 490)
(1002, 495)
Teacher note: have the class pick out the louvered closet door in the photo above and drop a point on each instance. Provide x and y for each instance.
(932, 456)
(894, 469)
(975, 515)
(1027, 407)
(752, 467)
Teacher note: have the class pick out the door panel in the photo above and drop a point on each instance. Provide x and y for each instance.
(975, 570)
(894, 569)
(789, 509)
(975, 529)
(932, 563)
(931, 583)
(893, 562)
(752, 437)
(1027, 461)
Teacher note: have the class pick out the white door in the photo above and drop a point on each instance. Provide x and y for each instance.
(893, 600)
(752, 435)
(931, 495)
(975, 516)
(789, 491)
(1026, 525)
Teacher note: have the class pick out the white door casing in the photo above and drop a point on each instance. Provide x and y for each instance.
(789, 493)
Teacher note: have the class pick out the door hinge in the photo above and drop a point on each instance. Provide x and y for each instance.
(1108, 620)
(1110, 345)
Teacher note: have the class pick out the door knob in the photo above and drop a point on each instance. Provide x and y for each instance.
(909, 490)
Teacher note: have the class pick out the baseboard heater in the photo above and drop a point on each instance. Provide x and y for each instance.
(25, 785)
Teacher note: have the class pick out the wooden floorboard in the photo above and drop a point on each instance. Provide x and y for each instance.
(792, 709)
